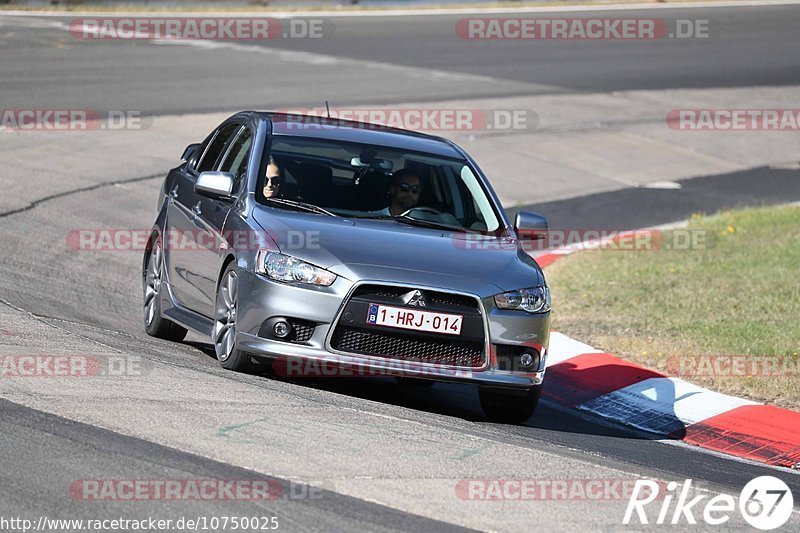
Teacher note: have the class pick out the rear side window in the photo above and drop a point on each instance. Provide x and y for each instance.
(215, 147)
(238, 154)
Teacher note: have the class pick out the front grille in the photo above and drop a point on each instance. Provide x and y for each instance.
(354, 334)
(453, 300)
(443, 300)
(403, 347)
(380, 290)
(302, 330)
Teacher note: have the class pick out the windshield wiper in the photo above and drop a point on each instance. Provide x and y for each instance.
(426, 223)
(411, 221)
(301, 205)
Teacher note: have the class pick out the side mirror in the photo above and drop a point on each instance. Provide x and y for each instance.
(190, 151)
(530, 226)
(215, 185)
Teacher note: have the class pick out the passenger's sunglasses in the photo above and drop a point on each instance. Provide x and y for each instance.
(405, 187)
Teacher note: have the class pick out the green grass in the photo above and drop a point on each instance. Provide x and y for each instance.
(739, 295)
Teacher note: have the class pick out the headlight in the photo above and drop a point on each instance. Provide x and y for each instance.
(283, 267)
(533, 300)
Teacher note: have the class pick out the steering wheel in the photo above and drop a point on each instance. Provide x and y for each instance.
(423, 209)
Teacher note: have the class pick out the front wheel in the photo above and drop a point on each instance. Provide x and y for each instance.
(224, 333)
(509, 406)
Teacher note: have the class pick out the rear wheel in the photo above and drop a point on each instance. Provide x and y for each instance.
(224, 333)
(154, 324)
(509, 406)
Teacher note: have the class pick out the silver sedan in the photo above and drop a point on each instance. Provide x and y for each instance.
(311, 244)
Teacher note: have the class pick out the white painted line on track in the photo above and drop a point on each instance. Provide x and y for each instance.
(312, 58)
(661, 185)
(322, 59)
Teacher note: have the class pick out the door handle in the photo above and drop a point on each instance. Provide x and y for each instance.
(174, 192)
(196, 209)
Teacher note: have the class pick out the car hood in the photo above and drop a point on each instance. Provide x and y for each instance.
(360, 249)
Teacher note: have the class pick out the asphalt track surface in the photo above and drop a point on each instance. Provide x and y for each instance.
(96, 300)
(42, 67)
(636, 207)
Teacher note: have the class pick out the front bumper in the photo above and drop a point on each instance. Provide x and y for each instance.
(265, 299)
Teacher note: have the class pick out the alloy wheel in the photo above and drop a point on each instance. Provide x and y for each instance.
(152, 285)
(225, 316)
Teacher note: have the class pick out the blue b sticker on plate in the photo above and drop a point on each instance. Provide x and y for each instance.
(372, 316)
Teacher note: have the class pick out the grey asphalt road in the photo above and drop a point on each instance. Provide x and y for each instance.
(386, 60)
(635, 207)
(387, 455)
(39, 480)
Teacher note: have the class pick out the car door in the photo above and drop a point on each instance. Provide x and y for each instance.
(212, 216)
(186, 236)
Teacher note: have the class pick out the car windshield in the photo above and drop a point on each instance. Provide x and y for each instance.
(365, 181)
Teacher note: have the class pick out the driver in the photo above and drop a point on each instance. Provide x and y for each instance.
(404, 193)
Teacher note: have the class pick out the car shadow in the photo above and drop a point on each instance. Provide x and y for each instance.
(205, 347)
(554, 414)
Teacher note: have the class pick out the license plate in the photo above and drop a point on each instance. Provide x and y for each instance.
(401, 317)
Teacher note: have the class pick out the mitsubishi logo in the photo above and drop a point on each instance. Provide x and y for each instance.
(416, 299)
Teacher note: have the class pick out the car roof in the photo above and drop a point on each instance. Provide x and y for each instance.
(358, 132)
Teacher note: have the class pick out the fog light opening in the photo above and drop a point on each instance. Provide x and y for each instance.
(528, 360)
(281, 329)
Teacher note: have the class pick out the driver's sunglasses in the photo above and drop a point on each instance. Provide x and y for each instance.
(275, 181)
(405, 187)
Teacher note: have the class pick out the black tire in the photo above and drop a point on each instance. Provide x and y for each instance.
(230, 357)
(152, 275)
(508, 406)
